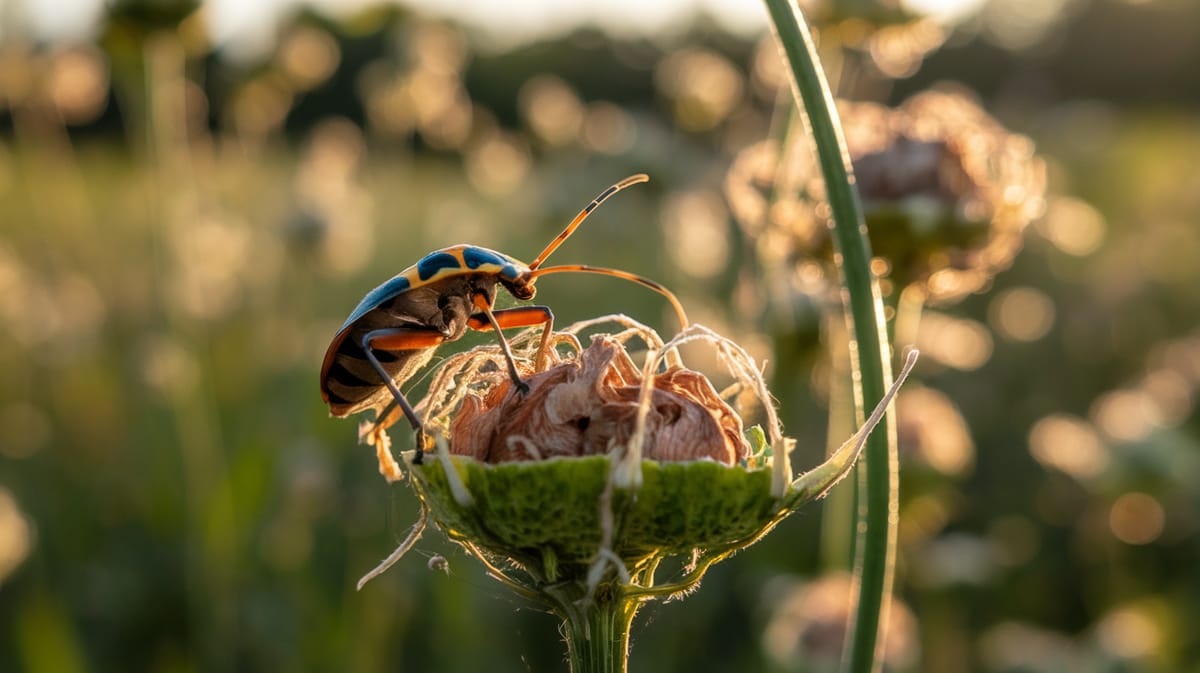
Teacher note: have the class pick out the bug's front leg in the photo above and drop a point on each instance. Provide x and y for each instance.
(393, 339)
(521, 316)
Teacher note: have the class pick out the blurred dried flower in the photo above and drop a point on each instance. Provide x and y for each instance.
(946, 192)
(808, 627)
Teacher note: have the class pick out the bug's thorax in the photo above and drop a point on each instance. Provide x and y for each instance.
(454, 302)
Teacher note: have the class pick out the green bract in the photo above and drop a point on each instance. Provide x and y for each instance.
(535, 511)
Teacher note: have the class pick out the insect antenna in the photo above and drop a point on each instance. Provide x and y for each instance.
(582, 268)
(587, 210)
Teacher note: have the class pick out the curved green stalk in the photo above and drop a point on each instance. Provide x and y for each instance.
(870, 361)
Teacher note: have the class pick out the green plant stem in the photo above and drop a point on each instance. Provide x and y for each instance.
(597, 634)
(870, 363)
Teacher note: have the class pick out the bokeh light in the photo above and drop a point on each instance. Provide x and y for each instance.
(898, 50)
(1020, 24)
(260, 106)
(1021, 314)
(696, 228)
(1126, 415)
(552, 110)
(1130, 631)
(77, 83)
(608, 129)
(1073, 226)
(1136, 518)
(702, 85)
(498, 164)
(308, 56)
(16, 535)
(1068, 444)
(962, 344)
(932, 431)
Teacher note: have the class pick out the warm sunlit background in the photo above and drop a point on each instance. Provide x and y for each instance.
(194, 196)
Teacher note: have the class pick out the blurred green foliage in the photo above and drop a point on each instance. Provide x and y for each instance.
(181, 234)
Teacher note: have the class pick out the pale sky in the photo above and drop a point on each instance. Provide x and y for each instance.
(247, 26)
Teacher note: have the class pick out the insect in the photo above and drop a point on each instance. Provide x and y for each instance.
(439, 562)
(395, 329)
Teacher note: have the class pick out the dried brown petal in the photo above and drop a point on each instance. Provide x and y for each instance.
(589, 406)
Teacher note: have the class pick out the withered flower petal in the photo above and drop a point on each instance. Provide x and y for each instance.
(589, 406)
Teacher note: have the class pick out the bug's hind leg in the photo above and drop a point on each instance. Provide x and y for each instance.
(400, 339)
(522, 316)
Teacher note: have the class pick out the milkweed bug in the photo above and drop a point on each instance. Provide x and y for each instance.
(395, 329)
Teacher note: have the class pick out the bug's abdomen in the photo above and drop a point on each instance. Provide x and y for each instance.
(351, 384)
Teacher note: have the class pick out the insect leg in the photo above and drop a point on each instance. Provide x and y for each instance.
(521, 316)
(401, 339)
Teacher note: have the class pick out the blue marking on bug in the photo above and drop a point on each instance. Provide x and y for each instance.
(477, 257)
(390, 288)
(432, 263)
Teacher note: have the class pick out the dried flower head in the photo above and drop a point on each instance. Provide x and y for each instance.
(946, 192)
(574, 491)
(807, 628)
(588, 405)
(604, 467)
